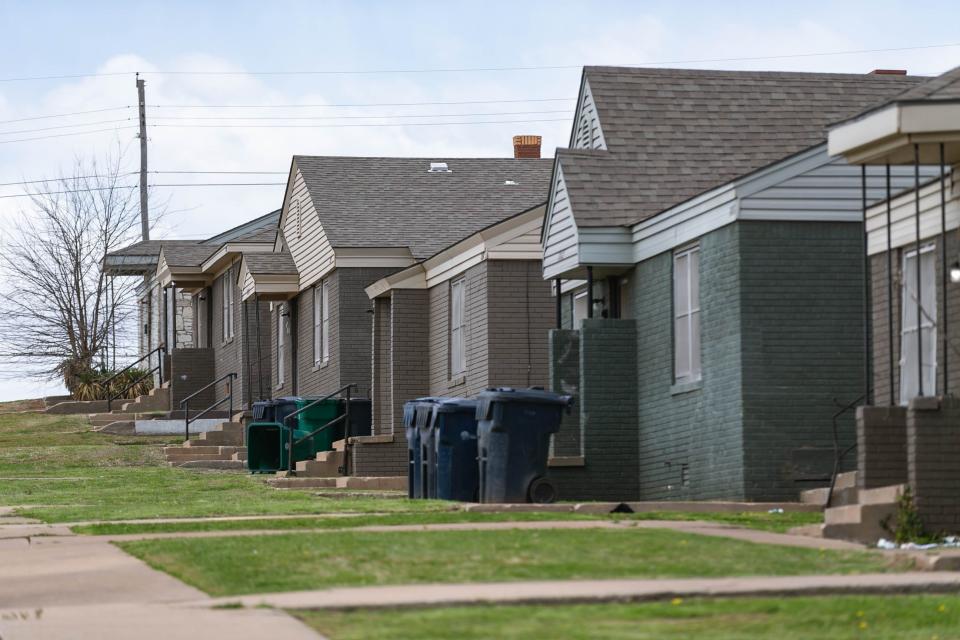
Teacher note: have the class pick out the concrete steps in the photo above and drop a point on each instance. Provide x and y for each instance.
(225, 434)
(178, 455)
(326, 465)
(156, 400)
(862, 520)
(218, 465)
(844, 492)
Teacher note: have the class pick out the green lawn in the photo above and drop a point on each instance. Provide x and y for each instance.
(835, 617)
(61, 471)
(295, 561)
(775, 522)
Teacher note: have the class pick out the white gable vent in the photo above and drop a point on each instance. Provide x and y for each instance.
(510, 183)
(439, 167)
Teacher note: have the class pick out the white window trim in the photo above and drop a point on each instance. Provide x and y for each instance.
(321, 323)
(690, 310)
(325, 323)
(908, 332)
(458, 356)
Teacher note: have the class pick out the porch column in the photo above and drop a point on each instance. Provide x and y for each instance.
(559, 301)
(590, 292)
(890, 290)
(944, 274)
(867, 308)
(256, 302)
(916, 186)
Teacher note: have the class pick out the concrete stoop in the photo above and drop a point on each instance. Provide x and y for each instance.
(327, 464)
(844, 492)
(221, 448)
(862, 518)
(157, 400)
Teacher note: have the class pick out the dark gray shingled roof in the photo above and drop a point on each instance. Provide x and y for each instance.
(676, 133)
(946, 86)
(270, 263)
(262, 229)
(191, 255)
(397, 202)
(149, 247)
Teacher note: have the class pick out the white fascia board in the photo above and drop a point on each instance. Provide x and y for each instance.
(605, 246)
(411, 278)
(777, 173)
(929, 117)
(372, 257)
(514, 227)
(866, 131)
(214, 262)
(561, 267)
(571, 285)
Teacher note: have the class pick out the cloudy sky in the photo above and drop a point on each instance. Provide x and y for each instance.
(358, 66)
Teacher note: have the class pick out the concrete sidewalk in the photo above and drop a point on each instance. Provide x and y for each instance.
(583, 591)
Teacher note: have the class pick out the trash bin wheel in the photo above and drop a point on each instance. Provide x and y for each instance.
(542, 491)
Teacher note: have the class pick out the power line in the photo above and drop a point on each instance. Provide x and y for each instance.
(137, 186)
(340, 126)
(379, 117)
(133, 173)
(65, 126)
(65, 178)
(353, 104)
(64, 135)
(225, 172)
(64, 115)
(475, 69)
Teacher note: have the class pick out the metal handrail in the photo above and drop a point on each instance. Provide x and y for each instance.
(344, 418)
(160, 350)
(185, 403)
(838, 455)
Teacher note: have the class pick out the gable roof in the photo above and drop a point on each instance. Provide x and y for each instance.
(946, 86)
(672, 134)
(270, 263)
(262, 229)
(398, 202)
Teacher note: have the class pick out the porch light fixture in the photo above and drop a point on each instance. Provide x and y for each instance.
(955, 272)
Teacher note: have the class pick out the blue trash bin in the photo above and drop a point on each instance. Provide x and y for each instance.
(414, 452)
(514, 427)
(455, 439)
(428, 448)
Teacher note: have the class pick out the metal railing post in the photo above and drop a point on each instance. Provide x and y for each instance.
(230, 403)
(186, 419)
(346, 437)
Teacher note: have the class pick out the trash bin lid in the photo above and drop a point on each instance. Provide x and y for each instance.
(535, 395)
(412, 409)
(454, 405)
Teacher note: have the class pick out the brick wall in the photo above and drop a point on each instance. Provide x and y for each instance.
(380, 459)
(933, 452)
(227, 352)
(801, 296)
(881, 446)
(607, 406)
(882, 358)
(476, 377)
(565, 379)
(382, 378)
(691, 438)
(191, 369)
(409, 333)
(520, 315)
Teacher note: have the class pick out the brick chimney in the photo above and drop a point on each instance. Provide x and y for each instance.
(526, 146)
(888, 72)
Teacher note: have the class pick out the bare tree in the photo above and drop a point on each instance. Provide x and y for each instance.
(58, 310)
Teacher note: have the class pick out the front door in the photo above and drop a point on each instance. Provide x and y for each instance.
(918, 343)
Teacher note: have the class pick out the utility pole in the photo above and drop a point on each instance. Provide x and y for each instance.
(144, 215)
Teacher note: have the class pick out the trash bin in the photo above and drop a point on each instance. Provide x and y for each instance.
(514, 427)
(267, 440)
(414, 451)
(428, 450)
(455, 438)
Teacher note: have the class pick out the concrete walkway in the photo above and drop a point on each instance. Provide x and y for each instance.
(63, 587)
(574, 591)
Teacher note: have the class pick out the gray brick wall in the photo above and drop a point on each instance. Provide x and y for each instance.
(227, 353)
(520, 315)
(409, 334)
(694, 435)
(382, 390)
(801, 296)
(191, 369)
(379, 459)
(881, 446)
(933, 449)
(475, 306)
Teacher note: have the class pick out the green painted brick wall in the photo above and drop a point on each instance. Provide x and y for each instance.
(702, 428)
(801, 294)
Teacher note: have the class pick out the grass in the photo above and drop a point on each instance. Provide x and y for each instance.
(775, 522)
(925, 617)
(287, 562)
(58, 470)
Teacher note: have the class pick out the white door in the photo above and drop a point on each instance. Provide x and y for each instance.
(910, 345)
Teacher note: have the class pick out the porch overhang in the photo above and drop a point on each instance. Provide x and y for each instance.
(414, 277)
(271, 287)
(226, 254)
(188, 278)
(889, 135)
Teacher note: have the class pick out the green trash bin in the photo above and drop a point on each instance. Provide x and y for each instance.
(267, 441)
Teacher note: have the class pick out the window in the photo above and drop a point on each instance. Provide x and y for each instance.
(281, 346)
(579, 307)
(321, 323)
(910, 343)
(226, 295)
(458, 354)
(686, 314)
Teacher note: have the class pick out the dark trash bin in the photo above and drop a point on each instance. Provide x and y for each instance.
(428, 448)
(455, 440)
(514, 427)
(414, 453)
(267, 439)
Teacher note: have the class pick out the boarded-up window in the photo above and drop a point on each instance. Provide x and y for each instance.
(686, 314)
(910, 343)
(281, 345)
(325, 338)
(458, 354)
(226, 295)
